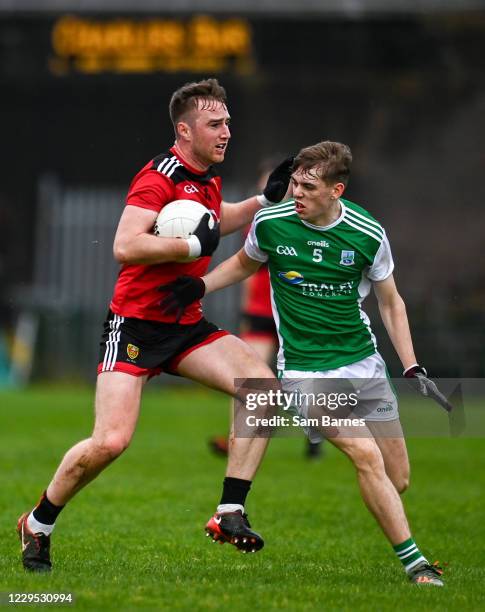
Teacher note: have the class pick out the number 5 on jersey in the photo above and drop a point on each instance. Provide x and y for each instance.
(317, 255)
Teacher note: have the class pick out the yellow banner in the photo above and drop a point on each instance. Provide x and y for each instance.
(202, 44)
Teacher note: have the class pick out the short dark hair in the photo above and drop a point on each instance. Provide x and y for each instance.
(186, 97)
(332, 161)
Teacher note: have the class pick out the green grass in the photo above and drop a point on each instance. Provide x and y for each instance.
(134, 538)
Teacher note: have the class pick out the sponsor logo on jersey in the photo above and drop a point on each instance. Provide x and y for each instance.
(190, 189)
(132, 351)
(347, 258)
(282, 249)
(326, 290)
(320, 243)
(291, 277)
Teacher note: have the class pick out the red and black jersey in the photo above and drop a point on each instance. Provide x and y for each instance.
(164, 179)
(258, 300)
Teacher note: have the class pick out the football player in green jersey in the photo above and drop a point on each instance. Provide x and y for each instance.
(324, 254)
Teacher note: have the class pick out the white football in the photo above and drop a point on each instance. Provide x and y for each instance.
(180, 218)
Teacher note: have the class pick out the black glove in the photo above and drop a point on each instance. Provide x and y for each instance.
(278, 181)
(204, 240)
(426, 386)
(181, 293)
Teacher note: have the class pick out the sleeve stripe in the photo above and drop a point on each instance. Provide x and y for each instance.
(377, 230)
(370, 221)
(276, 216)
(258, 217)
(163, 163)
(275, 208)
(367, 231)
(168, 166)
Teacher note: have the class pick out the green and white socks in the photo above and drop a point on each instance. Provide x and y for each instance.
(409, 554)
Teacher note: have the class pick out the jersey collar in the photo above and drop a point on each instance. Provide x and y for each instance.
(324, 228)
(188, 166)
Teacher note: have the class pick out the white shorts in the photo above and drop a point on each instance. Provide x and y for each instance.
(366, 378)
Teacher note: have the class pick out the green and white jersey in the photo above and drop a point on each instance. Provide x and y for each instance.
(319, 278)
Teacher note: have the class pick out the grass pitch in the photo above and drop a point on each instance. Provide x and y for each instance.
(134, 538)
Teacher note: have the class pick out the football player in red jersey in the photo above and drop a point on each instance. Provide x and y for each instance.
(139, 341)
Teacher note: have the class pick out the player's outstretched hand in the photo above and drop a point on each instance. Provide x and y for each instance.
(181, 293)
(277, 184)
(204, 240)
(426, 386)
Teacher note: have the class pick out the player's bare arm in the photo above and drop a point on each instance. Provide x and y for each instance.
(231, 271)
(236, 216)
(395, 319)
(135, 242)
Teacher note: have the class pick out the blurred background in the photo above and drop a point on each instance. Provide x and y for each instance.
(85, 90)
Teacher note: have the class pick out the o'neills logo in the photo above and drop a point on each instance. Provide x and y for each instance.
(133, 351)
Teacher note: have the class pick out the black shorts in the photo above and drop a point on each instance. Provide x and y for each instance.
(139, 347)
(257, 326)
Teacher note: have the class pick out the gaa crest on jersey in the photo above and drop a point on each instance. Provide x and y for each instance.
(132, 351)
(347, 258)
(190, 189)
